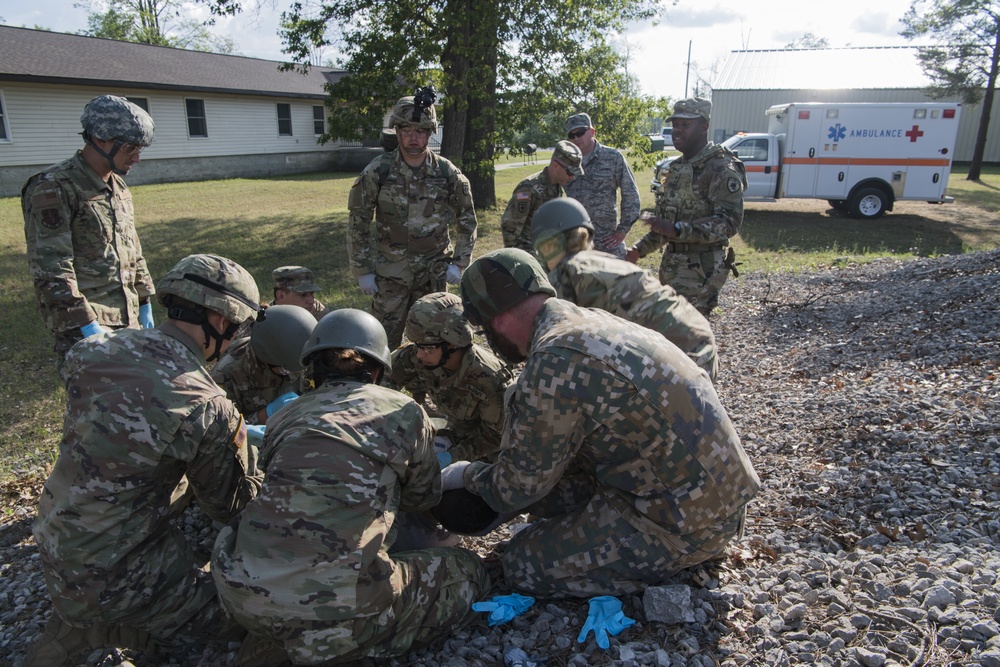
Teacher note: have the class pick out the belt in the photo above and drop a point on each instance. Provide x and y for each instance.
(694, 247)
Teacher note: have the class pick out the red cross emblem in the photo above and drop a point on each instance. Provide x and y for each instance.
(915, 133)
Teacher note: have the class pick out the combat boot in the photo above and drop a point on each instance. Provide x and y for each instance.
(259, 651)
(58, 644)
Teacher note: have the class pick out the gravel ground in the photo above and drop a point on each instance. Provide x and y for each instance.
(868, 399)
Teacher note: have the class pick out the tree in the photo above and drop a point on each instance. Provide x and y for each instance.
(156, 22)
(485, 56)
(809, 41)
(966, 59)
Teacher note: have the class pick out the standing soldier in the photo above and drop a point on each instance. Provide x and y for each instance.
(414, 197)
(698, 209)
(295, 286)
(535, 190)
(83, 252)
(142, 412)
(607, 174)
(307, 568)
(261, 372)
(562, 235)
(466, 382)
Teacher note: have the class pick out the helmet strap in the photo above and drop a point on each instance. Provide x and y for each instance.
(200, 316)
(110, 157)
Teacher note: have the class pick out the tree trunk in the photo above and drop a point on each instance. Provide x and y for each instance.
(976, 167)
(480, 133)
(455, 63)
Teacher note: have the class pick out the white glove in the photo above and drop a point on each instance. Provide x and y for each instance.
(454, 274)
(367, 284)
(453, 476)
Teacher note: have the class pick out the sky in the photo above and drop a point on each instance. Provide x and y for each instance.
(658, 54)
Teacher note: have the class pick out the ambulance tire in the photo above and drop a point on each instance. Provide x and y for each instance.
(869, 203)
(837, 204)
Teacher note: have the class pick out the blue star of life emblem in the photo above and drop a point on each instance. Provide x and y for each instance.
(837, 132)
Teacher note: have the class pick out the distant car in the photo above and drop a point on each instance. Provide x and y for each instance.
(668, 136)
(659, 170)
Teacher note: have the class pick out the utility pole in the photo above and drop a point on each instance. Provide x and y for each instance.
(687, 74)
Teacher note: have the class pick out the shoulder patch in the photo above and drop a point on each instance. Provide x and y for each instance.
(734, 185)
(522, 195)
(52, 218)
(240, 437)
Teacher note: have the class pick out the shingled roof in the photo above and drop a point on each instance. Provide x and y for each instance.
(39, 56)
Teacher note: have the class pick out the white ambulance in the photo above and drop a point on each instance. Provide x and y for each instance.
(861, 157)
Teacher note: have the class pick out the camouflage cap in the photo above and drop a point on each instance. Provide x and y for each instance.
(109, 117)
(402, 115)
(500, 280)
(277, 339)
(578, 120)
(294, 279)
(214, 282)
(693, 107)
(438, 318)
(569, 156)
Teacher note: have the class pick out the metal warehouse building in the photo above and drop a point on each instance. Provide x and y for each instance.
(753, 81)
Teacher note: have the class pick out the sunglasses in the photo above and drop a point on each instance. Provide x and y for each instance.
(130, 150)
(576, 134)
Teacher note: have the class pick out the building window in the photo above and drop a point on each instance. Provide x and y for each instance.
(141, 102)
(319, 121)
(284, 120)
(4, 130)
(197, 127)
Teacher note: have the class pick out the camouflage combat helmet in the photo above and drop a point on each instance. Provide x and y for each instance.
(557, 216)
(438, 318)
(217, 283)
(402, 115)
(277, 339)
(349, 328)
(500, 280)
(114, 118)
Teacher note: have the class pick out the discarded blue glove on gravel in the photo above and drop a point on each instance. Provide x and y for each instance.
(280, 402)
(255, 434)
(503, 608)
(605, 618)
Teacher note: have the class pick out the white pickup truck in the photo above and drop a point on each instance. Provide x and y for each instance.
(860, 157)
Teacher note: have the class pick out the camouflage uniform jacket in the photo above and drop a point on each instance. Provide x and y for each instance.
(339, 463)
(605, 405)
(249, 382)
(593, 279)
(471, 397)
(606, 172)
(412, 210)
(83, 252)
(141, 412)
(532, 192)
(704, 195)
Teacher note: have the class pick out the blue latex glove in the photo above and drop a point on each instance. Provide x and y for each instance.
(503, 608)
(280, 402)
(454, 274)
(146, 315)
(605, 618)
(444, 459)
(367, 284)
(92, 329)
(255, 434)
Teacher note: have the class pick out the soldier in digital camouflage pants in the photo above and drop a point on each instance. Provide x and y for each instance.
(414, 197)
(306, 568)
(612, 435)
(86, 262)
(141, 413)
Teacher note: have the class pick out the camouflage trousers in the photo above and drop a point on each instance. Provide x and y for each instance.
(594, 550)
(159, 589)
(433, 594)
(699, 276)
(399, 285)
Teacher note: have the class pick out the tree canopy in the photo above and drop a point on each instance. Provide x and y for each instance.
(965, 60)
(156, 22)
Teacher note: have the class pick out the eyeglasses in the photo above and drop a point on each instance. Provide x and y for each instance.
(414, 131)
(576, 134)
(428, 347)
(130, 150)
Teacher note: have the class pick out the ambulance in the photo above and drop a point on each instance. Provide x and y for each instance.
(860, 157)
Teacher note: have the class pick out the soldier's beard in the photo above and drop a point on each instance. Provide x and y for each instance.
(504, 346)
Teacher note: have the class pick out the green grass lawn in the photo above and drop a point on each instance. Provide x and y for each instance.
(302, 219)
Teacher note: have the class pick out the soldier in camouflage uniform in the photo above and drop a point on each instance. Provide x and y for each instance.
(562, 236)
(532, 192)
(295, 286)
(414, 197)
(261, 372)
(613, 435)
(698, 209)
(85, 259)
(340, 463)
(141, 413)
(465, 381)
(607, 174)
